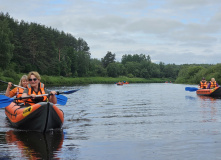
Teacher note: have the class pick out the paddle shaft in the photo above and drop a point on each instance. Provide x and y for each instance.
(67, 92)
(20, 98)
(13, 84)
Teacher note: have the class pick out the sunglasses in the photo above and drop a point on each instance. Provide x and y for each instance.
(34, 79)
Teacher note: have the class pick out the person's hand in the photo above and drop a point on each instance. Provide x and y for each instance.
(53, 92)
(9, 84)
(33, 96)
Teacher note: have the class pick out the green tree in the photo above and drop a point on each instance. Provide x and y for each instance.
(108, 58)
(6, 47)
(133, 68)
(113, 70)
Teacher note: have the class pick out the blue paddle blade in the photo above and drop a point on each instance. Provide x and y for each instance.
(62, 100)
(191, 89)
(69, 92)
(5, 101)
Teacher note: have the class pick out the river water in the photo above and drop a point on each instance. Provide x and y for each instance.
(134, 121)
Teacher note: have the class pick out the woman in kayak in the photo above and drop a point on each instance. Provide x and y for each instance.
(17, 91)
(212, 84)
(34, 88)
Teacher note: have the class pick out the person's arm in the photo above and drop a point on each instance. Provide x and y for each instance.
(7, 93)
(53, 98)
(25, 94)
(208, 87)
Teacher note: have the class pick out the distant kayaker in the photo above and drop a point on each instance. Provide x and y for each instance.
(17, 91)
(203, 83)
(34, 88)
(212, 84)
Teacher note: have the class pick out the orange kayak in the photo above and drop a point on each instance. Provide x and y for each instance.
(215, 92)
(40, 117)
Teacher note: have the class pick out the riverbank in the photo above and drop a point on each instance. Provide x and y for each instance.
(98, 80)
(53, 80)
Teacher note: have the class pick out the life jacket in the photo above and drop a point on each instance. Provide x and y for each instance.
(19, 94)
(41, 90)
(203, 85)
(212, 84)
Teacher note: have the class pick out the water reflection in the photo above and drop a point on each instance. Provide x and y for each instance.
(209, 109)
(35, 145)
(190, 97)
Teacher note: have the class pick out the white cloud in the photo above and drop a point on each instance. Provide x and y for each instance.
(171, 31)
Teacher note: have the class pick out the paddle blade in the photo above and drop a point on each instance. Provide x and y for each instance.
(62, 100)
(5, 101)
(68, 92)
(191, 89)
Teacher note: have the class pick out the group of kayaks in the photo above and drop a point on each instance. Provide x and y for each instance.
(122, 83)
(215, 92)
(46, 116)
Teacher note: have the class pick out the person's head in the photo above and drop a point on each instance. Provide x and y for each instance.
(212, 79)
(23, 81)
(34, 78)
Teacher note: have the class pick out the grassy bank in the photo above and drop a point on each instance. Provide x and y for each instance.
(52, 80)
(97, 80)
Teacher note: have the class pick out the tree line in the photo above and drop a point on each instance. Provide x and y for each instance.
(193, 73)
(30, 46)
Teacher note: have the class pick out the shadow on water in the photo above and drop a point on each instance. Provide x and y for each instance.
(32, 145)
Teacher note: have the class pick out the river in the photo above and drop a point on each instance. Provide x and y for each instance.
(134, 121)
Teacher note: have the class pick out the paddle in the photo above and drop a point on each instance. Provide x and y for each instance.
(191, 89)
(5, 101)
(68, 92)
(62, 100)
(13, 84)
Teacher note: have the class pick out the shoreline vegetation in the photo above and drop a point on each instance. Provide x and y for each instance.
(68, 81)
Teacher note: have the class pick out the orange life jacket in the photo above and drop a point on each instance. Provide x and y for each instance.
(19, 94)
(203, 85)
(41, 90)
(212, 84)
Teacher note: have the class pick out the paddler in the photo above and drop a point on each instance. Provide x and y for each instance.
(203, 83)
(17, 91)
(34, 88)
(212, 84)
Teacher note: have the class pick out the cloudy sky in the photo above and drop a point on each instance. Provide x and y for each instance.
(170, 31)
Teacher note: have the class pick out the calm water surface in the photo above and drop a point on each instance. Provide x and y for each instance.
(134, 121)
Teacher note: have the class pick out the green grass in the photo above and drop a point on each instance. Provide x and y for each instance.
(59, 80)
(97, 80)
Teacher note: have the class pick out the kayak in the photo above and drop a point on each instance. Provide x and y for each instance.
(215, 92)
(41, 117)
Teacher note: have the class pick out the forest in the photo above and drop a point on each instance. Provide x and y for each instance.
(30, 46)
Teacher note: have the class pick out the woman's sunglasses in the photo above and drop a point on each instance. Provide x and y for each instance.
(34, 79)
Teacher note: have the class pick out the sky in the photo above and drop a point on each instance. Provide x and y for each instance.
(169, 31)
